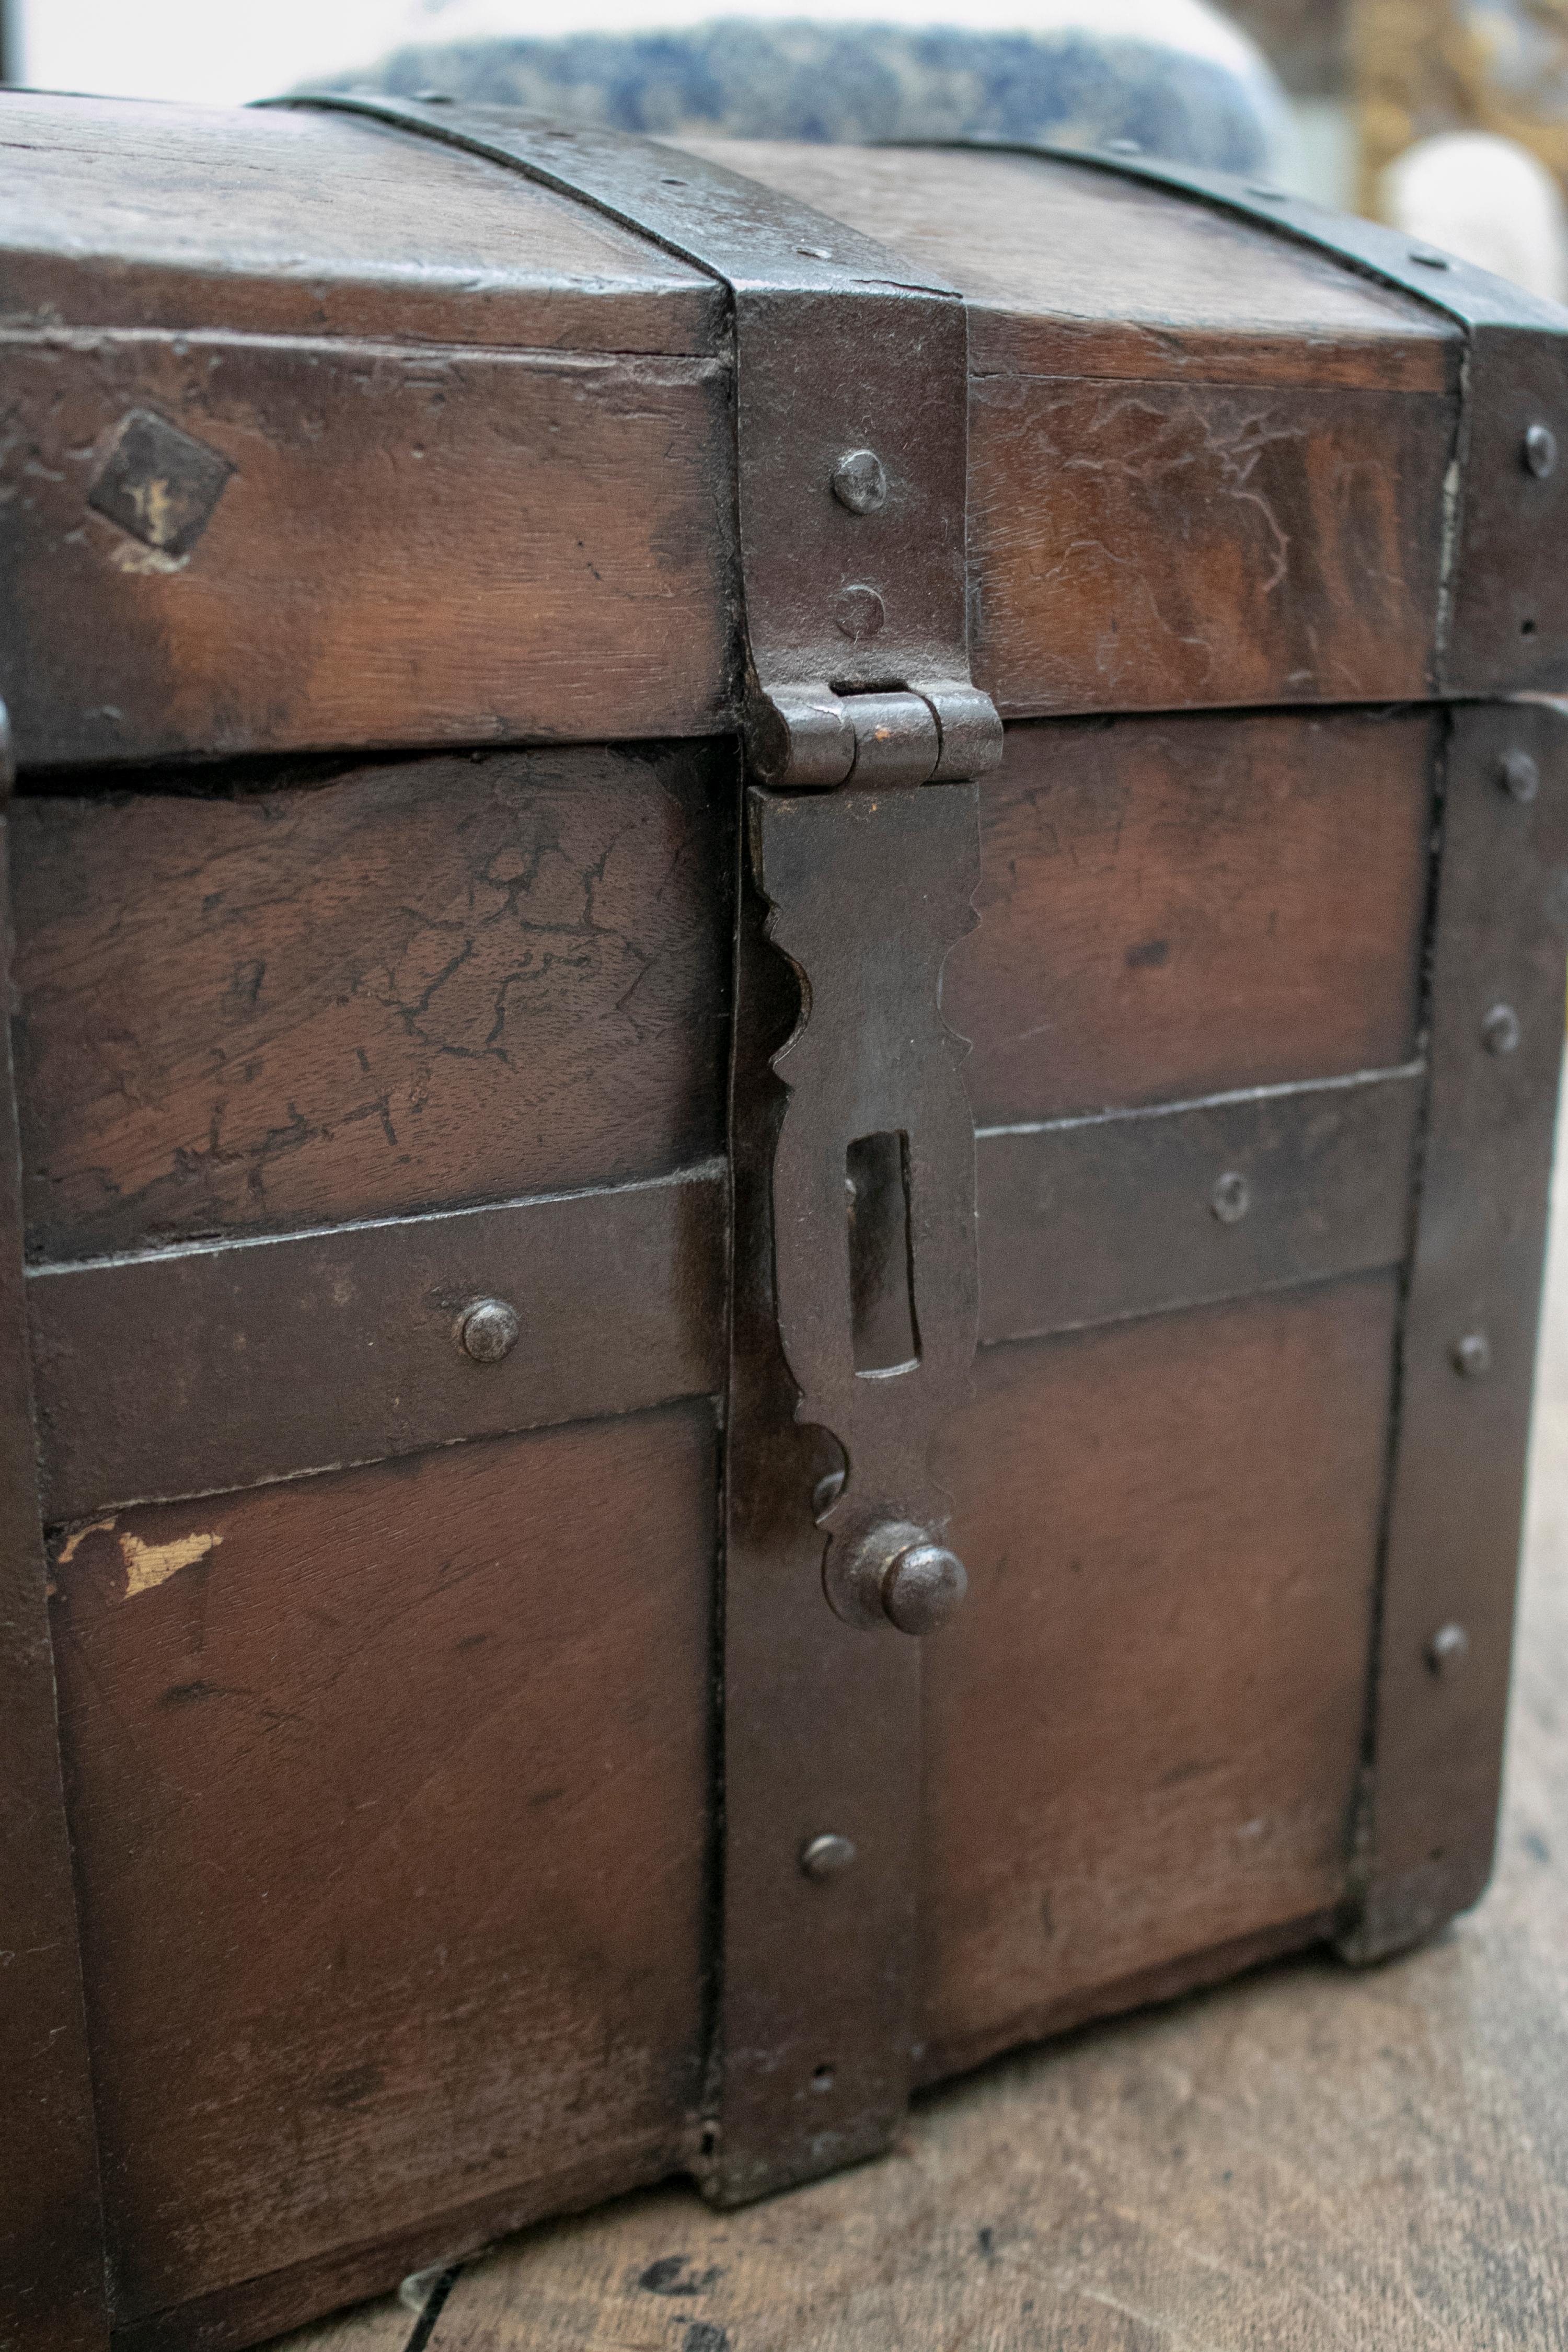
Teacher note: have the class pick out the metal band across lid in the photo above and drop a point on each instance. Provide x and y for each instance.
(853, 578)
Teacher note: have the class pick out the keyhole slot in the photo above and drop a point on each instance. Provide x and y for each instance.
(881, 1264)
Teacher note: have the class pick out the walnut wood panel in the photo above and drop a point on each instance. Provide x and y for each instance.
(1068, 271)
(1145, 1729)
(1146, 546)
(115, 213)
(389, 1794)
(1175, 907)
(183, 1371)
(414, 545)
(443, 981)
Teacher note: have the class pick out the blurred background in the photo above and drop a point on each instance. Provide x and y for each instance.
(1448, 118)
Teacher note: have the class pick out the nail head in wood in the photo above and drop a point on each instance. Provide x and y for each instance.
(1519, 775)
(1473, 1355)
(1540, 451)
(1500, 1030)
(1447, 1650)
(489, 1331)
(861, 482)
(1231, 1197)
(826, 1856)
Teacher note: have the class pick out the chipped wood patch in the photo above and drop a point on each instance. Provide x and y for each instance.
(147, 1565)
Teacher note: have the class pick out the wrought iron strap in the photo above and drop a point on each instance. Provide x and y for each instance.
(851, 426)
(873, 1077)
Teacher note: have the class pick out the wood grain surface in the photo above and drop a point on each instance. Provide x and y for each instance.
(115, 213)
(1308, 2160)
(272, 1008)
(1072, 272)
(291, 1721)
(1154, 905)
(1142, 1739)
(414, 544)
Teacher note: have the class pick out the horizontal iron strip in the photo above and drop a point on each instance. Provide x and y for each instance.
(187, 1371)
(1133, 1213)
(225, 1364)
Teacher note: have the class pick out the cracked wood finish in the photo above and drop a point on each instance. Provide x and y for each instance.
(543, 444)
(1146, 375)
(51, 2220)
(448, 981)
(389, 1792)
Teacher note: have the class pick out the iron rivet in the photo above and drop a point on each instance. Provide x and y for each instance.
(1473, 1355)
(859, 612)
(1271, 196)
(861, 482)
(1519, 775)
(434, 98)
(1231, 1198)
(1431, 260)
(1447, 1649)
(1500, 1030)
(1540, 451)
(826, 1856)
(823, 2078)
(489, 1331)
(922, 1587)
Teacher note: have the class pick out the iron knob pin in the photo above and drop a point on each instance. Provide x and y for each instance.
(903, 1576)
(488, 1331)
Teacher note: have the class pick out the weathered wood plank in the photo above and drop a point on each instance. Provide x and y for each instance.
(1143, 1730)
(293, 1722)
(438, 982)
(115, 213)
(413, 545)
(1172, 908)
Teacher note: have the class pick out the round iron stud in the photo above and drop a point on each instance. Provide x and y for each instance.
(922, 1589)
(824, 1857)
(489, 1331)
(1448, 1649)
(861, 482)
(1500, 1030)
(1519, 775)
(896, 1574)
(1473, 1355)
(1540, 451)
(1231, 1197)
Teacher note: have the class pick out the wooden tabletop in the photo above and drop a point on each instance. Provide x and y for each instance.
(1306, 2160)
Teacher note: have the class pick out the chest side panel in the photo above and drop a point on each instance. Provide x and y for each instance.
(390, 1807)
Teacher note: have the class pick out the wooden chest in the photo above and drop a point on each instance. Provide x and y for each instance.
(507, 635)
